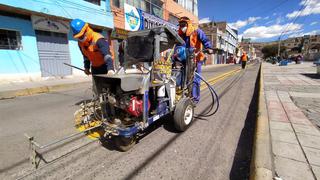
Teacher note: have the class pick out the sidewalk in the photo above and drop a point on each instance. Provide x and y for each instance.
(292, 95)
(14, 89)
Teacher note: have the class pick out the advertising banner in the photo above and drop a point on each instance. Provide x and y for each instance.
(136, 19)
(119, 33)
(151, 21)
(132, 18)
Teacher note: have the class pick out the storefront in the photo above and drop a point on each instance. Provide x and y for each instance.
(36, 44)
(53, 46)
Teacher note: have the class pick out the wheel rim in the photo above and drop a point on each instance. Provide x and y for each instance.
(188, 114)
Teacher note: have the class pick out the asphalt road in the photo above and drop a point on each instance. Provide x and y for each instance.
(218, 147)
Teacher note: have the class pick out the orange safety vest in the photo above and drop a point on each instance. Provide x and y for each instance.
(90, 49)
(244, 57)
(194, 41)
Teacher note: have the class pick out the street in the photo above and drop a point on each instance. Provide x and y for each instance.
(218, 147)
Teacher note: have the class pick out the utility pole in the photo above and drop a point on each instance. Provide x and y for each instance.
(279, 43)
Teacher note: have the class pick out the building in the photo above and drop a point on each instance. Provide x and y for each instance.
(311, 47)
(224, 40)
(145, 14)
(308, 46)
(249, 48)
(35, 37)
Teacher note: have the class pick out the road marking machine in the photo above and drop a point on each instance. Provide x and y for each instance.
(126, 103)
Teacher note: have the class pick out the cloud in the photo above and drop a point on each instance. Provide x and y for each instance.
(279, 20)
(314, 32)
(204, 20)
(261, 32)
(314, 23)
(309, 7)
(266, 18)
(274, 14)
(239, 24)
(269, 22)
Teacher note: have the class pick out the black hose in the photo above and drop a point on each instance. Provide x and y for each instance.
(214, 96)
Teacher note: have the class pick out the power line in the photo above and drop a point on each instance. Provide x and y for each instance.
(303, 7)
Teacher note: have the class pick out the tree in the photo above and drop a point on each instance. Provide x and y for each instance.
(272, 50)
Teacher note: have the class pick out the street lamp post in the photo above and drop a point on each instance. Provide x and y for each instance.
(279, 43)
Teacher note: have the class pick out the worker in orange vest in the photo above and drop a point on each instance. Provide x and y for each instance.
(94, 47)
(194, 38)
(244, 59)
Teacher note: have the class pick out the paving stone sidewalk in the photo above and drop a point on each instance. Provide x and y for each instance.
(292, 95)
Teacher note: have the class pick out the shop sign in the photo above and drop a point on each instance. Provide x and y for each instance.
(151, 21)
(119, 33)
(132, 18)
(136, 19)
(46, 24)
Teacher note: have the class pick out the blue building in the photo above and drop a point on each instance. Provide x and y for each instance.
(35, 37)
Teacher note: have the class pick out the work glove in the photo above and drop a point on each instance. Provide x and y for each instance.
(87, 72)
(111, 72)
(208, 51)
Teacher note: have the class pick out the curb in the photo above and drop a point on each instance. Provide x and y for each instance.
(38, 90)
(262, 163)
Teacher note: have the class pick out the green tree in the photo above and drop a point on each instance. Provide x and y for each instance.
(272, 50)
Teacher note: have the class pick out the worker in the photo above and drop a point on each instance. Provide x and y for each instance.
(94, 47)
(244, 59)
(194, 38)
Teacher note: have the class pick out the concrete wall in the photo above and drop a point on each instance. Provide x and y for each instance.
(25, 60)
(177, 10)
(23, 64)
(68, 9)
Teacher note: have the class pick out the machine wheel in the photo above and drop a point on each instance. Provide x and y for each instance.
(123, 143)
(183, 114)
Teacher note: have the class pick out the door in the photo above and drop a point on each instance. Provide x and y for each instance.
(53, 51)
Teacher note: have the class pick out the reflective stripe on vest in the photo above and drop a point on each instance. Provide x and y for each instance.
(92, 51)
(195, 43)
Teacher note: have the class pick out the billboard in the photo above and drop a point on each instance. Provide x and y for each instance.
(136, 19)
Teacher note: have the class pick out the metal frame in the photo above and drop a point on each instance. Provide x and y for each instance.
(34, 146)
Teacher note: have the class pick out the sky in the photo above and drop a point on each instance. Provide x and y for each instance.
(264, 20)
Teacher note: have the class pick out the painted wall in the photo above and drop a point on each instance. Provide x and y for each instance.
(69, 9)
(177, 10)
(25, 60)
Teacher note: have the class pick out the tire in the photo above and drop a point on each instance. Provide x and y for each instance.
(183, 114)
(123, 143)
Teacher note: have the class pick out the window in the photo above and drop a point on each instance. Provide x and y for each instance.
(97, 2)
(173, 19)
(10, 39)
(118, 3)
(153, 7)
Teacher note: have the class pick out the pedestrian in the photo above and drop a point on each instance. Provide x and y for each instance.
(94, 47)
(194, 38)
(244, 59)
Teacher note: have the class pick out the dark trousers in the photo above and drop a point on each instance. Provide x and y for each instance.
(244, 64)
(103, 69)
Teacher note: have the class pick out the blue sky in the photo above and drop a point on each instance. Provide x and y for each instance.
(264, 20)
